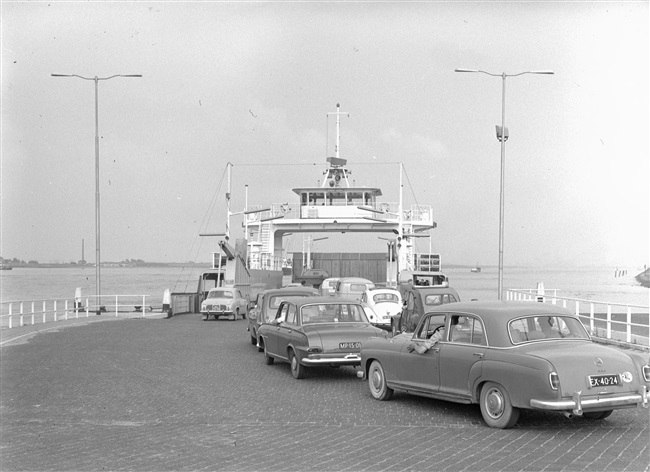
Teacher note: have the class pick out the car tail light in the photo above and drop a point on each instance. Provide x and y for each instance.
(554, 380)
(646, 372)
(314, 350)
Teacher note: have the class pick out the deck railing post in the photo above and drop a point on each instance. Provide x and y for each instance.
(22, 311)
(33, 311)
(116, 301)
(609, 321)
(144, 298)
(10, 311)
(592, 315)
(628, 329)
(44, 309)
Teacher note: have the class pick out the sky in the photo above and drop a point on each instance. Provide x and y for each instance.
(251, 83)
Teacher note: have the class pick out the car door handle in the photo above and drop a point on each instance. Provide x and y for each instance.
(479, 354)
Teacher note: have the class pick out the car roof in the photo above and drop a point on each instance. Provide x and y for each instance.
(290, 291)
(300, 301)
(378, 288)
(355, 279)
(426, 289)
(496, 314)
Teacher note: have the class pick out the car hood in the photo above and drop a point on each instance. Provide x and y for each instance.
(574, 361)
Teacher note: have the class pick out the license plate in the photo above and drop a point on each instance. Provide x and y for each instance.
(349, 345)
(604, 380)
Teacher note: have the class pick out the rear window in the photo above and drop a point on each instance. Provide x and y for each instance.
(332, 313)
(220, 294)
(439, 299)
(385, 297)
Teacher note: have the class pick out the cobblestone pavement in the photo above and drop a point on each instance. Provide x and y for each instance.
(184, 394)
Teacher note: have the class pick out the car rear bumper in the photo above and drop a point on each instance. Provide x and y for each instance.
(577, 404)
(349, 359)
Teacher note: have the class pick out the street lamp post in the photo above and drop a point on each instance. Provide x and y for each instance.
(502, 136)
(98, 282)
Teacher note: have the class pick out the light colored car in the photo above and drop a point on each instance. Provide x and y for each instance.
(384, 302)
(264, 308)
(328, 287)
(507, 356)
(316, 331)
(224, 301)
(352, 287)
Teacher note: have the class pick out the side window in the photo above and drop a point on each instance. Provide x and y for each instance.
(452, 299)
(467, 329)
(282, 312)
(424, 328)
(291, 313)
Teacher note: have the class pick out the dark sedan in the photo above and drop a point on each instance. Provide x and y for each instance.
(266, 306)
(507, 356)
(318, 331)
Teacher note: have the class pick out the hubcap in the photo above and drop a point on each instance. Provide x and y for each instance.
(494, 403)
(376, 379)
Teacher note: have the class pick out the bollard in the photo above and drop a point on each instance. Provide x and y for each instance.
(540, 292)
(166, 307)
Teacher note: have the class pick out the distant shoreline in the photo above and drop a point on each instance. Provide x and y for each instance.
(108, 265)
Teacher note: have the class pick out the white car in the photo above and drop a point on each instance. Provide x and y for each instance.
(224, 301)
(384, 303)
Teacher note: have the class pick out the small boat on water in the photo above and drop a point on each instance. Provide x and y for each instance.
(476, 268)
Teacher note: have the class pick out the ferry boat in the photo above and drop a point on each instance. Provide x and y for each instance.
(255, 262)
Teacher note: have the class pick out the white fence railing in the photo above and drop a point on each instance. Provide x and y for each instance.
(30, 312)
(625, 323)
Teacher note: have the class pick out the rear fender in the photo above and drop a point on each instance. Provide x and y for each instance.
(521, 382)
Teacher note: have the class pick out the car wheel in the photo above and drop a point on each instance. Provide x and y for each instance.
(377, 382)
(496, 408)
(597, 415)
(297, 369)
(268, 360)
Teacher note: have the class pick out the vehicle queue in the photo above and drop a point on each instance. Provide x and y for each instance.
(503, 356)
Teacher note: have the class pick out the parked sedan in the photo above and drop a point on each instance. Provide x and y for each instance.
(224, 301)
(507, 356)
(319, 331)
(384, 303)
(266, 306)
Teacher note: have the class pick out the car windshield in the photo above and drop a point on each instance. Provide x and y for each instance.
(533, 328)
(385, 297)
(332, 313)
(220, 294)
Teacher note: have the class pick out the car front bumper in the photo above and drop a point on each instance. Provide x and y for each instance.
(577, 404)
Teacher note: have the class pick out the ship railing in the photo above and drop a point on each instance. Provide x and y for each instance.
(30, 312)
(265, 261)
(384, 210)
(626, 323)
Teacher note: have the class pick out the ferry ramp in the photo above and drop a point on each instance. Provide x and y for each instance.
(186, 394)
